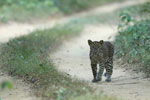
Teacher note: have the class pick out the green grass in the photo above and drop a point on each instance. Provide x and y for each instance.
(24, 10)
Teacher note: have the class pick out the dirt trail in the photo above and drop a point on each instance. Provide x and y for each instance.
(23, 91)
(73, 58)
(20, 91)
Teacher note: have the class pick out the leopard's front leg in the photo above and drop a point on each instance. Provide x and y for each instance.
(94, 70)
(100, 72)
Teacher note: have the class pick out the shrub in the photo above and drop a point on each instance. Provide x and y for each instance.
(133, 41)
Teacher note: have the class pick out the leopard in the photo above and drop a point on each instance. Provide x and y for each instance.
(101, 53)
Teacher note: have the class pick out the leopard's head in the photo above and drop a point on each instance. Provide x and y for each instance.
(96, 48)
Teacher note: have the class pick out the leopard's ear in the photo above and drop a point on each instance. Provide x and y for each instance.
(101, 42)
(89, 42)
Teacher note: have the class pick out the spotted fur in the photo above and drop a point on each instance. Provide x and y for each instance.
(101, 52)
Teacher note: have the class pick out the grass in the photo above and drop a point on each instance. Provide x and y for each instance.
(71, 6)
(24, 10)
(26, 57)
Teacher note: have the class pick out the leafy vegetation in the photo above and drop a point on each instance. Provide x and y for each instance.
(5, 84)
(30, 9)
(133, 41)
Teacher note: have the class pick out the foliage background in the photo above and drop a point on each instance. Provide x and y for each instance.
(133, 41)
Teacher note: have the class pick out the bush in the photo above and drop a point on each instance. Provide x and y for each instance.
(133, 41)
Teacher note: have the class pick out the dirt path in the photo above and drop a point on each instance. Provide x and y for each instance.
(23, 91)
(73, 58)
(20, 91)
